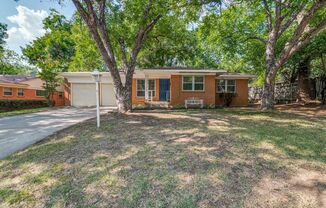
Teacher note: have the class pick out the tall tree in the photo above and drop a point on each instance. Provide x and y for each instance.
(86, 57)
(126, 23)
(54, 50)
(289, 26)
(305, 18)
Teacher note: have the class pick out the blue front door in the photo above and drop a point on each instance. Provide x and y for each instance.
(164, 89)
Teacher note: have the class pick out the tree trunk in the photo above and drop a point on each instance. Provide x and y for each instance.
(304, 84)
(124, 101)
(123, 97)
(268, 91)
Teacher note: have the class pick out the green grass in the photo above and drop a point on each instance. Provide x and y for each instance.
(184, 158)
(22, 111)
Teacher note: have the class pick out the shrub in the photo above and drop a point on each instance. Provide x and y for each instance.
(22, 104)
(178, 106)
(227, 98)
(209, 106)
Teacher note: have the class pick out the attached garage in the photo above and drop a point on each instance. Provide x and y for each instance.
(83, 94)
(107, 95)
(80, 89)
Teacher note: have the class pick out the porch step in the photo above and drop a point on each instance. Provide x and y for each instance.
(157, 104)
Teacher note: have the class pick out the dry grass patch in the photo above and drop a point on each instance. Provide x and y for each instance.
(195, 158)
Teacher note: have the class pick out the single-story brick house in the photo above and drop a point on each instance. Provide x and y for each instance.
(164, 85)
(21, 87)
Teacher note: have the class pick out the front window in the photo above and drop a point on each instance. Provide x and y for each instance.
(40, 93)
(226, 86)
(7, 91)
(141, 87)
(20, 92)
(151, 87)
(193, 83)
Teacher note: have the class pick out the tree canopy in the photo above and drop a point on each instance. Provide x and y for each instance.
(262, 37)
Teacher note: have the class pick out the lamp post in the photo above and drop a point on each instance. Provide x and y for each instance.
(97, 79)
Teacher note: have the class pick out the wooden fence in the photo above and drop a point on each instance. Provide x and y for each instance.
(284, 92)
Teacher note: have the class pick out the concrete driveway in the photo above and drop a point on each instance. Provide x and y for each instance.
(19, 132)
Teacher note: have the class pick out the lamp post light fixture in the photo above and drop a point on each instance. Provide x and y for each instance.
(97, 79)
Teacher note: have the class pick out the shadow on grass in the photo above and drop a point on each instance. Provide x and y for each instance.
(159, 159)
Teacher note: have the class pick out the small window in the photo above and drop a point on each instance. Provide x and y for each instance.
(40, 93)
(7, 91)
(20, 92)
(151, 87)
(228, 86)
(60, 94)
(187, 82)
(193, 83)
(199, 83)
(141, 87)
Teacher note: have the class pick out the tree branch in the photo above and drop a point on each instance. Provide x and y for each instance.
(102, 41)
(123, 52)
(278, 16)
(268, 16)
(148, 9)
(291, 19)
(301, 43)
(262, 40)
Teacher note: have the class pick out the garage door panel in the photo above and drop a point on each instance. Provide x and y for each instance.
(83, 94)
(107, 95)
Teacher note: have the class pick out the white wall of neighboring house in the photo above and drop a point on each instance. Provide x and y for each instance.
(37, 84)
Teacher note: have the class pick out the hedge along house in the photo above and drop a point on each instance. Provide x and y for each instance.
(168, 87)
(20, 87)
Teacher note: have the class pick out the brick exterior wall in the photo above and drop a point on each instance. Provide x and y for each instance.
(241, 98)
(29, 94)
(67, 93)
(178, 96)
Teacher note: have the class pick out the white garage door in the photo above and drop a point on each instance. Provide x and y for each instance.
(108, 97)
(83, 94)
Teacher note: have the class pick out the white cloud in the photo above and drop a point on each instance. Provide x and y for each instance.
(29, 27)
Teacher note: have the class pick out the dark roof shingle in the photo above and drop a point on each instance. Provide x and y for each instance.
(15, 78)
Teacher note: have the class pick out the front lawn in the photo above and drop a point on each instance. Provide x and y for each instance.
(22, 111)
(195, 158)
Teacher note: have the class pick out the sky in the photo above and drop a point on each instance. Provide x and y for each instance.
(24, 19)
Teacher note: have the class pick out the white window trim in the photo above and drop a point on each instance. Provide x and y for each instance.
(226, 86)
(193, 83)
(18, 92)
(145, 89)
(11, 91)
(38, 95)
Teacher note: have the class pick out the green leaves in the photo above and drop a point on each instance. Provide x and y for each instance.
(54, 49)
(3, 35)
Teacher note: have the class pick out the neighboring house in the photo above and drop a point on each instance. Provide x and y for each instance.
(19, 87)
(165, 85)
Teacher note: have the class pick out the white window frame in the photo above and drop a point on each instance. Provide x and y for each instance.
(145, 87)
(226, 86)
(38, 95)
(11, 90)
(193, 83)
(22, 91)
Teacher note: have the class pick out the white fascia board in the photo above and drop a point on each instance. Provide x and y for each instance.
(240, 76)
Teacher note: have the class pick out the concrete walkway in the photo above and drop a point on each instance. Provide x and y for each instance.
(19, 132)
